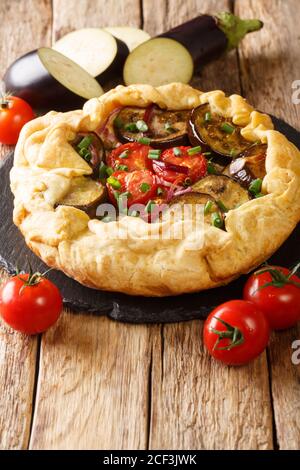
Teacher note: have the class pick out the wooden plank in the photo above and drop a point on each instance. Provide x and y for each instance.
(197, 403)
(71, 15)
(270, 63)
(27, 25)
(93, 388)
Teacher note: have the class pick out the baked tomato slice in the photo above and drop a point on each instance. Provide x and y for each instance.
(130, 157)
(181, 164)
(138, 187)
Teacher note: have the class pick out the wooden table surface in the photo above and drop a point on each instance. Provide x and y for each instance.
(91, 383)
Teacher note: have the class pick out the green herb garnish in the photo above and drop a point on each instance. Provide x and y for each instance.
(118, 123)
(169, 127)
(208, 207)
(177, 151)
(144, 187)
(109, 170)
(207, 117)
(154, 154)
(122, 167)
(149, 205)
(144, 140)
(124, 154)
(255, 187)
(85, 142)
(86, 154)
(194, 150)
(102, 171)
(216, 220)
(159, 191)
(211, 170)
(222, 206)
(141, 126)
(131, 127)
(114, 183)
(228, 128)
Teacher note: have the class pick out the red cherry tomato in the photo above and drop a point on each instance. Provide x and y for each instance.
(195, 165)
(14, 113)
(236, 332)
(134, 157)
(30, 308)
(140, 185)
(278, 300)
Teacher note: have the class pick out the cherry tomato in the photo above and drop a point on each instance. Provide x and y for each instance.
(236, 332)
(276, 291)
(140, 186)
(133, 155)
(30, 303)
(14, 113)
(195, 165)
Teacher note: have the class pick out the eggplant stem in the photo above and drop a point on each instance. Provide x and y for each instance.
(235, 29)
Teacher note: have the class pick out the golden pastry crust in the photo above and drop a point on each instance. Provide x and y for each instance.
(88, 250)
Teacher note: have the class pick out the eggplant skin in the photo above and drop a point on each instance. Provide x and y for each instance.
(85, 194)
(250, 166)
(223, 189)
(202, 37)
(211, 136)
(195, 197)
(115, 68)
(159, 137)
(29, 79)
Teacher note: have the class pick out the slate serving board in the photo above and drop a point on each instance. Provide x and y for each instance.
(121, 307)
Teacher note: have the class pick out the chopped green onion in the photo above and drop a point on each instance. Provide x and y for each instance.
(216, 220)
(211, 170)
(149, 206)
(116, 195)
(194, 150)
(255, 186)
(228, 128)
(122, 167)
(233, 152)
(154, 154)
(118, 123)
(259, 195)
(86, 154)
(144, 140)
(114, 183)
(207, 153)
(131, 127)
(124, 154)
(207, 117)
(141, 125)
(208, 207)
(159, 191)
(85, 142)
(222, 206)
(109, 170)
(102, 170)
(177, 151)
(144, 187)
(169, 127)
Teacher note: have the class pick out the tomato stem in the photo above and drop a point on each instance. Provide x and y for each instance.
(279, 279)
(33, 279)
(232, 333)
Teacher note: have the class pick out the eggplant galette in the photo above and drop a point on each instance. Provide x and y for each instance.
(90, 185)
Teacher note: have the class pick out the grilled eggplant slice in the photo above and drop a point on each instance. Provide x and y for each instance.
(163, 128)
(91, 148)
(85, 194)
(249, 167)
(228, 193)
(212, 213)
(216, 133)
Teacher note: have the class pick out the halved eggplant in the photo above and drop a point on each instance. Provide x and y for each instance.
(215, 132)
(163, 128)
(132, 37)
(96, 51)
(228, 193)
(212, 213)
(91, 148)
(249, 167)
(85, 194)
(47, 80)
